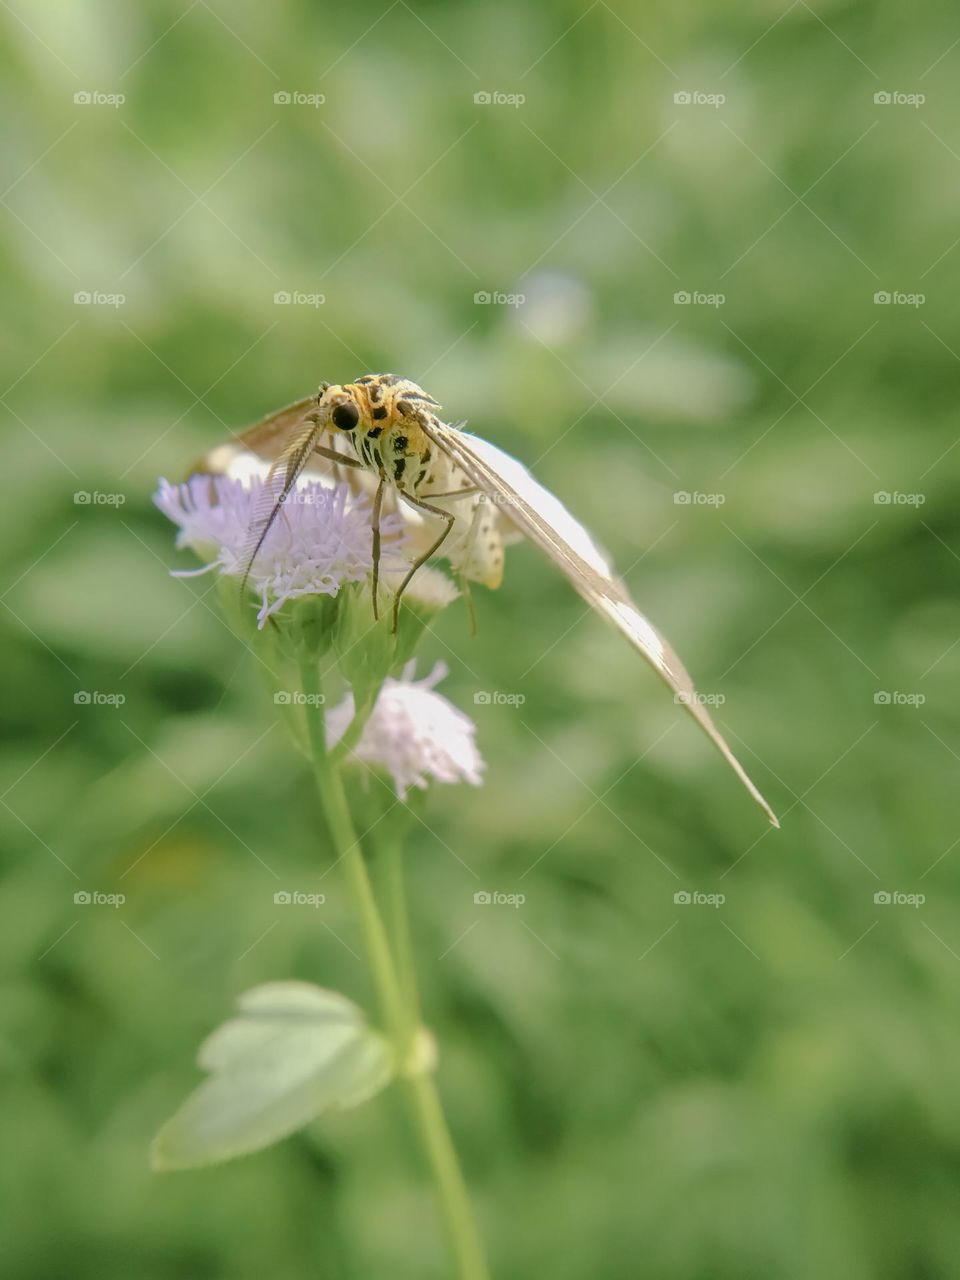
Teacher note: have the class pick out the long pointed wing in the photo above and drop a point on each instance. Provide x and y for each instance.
(281, 478)
(545, 520)
(267, 440)
(277, 450)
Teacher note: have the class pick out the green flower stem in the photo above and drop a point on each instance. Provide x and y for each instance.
(462, 1236)
(355, 728)
(389, 852)
(399, 1013)
(330, 786)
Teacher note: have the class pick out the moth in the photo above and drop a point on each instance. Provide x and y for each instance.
(460, 495)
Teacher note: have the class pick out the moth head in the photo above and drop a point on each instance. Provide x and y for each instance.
(338, 407)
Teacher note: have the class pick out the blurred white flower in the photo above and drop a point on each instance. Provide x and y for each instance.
(414, 733)
(320, 540)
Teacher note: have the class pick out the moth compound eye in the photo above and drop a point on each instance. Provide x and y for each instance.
(346, 416)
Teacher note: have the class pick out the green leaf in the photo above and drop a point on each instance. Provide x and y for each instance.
(293, 1051)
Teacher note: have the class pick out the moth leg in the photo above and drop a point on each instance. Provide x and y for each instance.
(430, 551)
(341, 459)
(457, 493)
(375, 521)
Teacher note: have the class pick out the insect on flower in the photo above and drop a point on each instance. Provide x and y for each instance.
(462, 495)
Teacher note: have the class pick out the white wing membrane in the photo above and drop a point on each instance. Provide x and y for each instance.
(515, 480)
(547, 522)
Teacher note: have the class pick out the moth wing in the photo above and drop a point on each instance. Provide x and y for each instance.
(277, 486)
(251, 451)
(277, 451)
(274, 451)
(546, 521)
(475, 545)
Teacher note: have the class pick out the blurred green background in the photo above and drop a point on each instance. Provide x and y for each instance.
(638, 1087)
